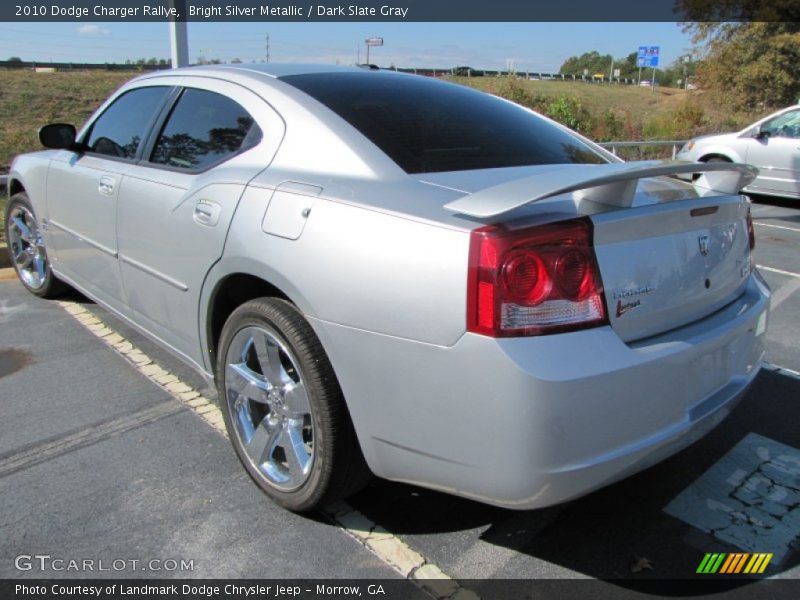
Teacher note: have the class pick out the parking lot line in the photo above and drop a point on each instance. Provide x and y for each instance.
(783, 292)
(797, 229)
(778, 271)
(782, 370)
(385, 545)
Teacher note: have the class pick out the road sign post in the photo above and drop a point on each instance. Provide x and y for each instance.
(374, 41)
(647, 56)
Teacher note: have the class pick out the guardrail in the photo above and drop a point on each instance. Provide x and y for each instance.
(676, 145)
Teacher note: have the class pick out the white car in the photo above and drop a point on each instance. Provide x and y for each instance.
(771, 144)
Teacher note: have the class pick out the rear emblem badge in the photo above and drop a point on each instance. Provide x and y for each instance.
(623, 307)
(703, 242)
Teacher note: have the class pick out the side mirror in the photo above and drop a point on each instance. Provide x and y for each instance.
(59, 136)
(761, 134)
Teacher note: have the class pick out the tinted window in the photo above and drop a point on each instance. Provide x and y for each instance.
(122, 126)
(426, 125)
(204, 128)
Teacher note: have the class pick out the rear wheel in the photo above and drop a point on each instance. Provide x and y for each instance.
(27, 250)
(283, 407)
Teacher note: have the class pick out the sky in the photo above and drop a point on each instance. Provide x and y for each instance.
(538, 47)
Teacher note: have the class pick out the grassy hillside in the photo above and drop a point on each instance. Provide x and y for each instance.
(617, 112)
(29, 100)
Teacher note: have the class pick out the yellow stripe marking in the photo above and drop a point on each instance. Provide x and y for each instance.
(752, 562)
(757, 564)
(390, 549)
(764, 564)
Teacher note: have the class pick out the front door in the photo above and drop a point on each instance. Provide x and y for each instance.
(777, 155)
(83, 189)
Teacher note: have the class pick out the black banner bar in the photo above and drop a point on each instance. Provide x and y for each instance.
(731, 588)
(385, 10)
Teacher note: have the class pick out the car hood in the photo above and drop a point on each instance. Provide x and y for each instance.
(717, 138)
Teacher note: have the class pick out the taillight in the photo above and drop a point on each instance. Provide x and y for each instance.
(534, 281)
(751, 234)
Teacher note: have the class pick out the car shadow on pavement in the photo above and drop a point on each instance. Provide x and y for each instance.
(776, 202)
(620, 534)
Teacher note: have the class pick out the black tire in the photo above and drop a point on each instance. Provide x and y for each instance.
(337, 467)
(716, 159)
(48, 286)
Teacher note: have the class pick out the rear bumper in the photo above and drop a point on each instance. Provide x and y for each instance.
(529, 422)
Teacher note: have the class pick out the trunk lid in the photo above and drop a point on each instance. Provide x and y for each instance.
(666, 265)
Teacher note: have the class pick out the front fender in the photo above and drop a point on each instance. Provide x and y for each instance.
(731, 154)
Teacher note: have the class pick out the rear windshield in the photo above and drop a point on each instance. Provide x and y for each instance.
(426, 125)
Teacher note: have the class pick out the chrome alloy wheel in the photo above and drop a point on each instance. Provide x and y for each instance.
(269, 407)
(27, 247)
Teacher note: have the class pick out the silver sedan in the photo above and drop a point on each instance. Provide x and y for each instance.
(387, 274)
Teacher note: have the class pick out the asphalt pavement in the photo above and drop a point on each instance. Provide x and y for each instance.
(98, 463)
(153, 480)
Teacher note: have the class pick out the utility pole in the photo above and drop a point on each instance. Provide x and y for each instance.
(267, 47)
(611, 71)
(178, 40)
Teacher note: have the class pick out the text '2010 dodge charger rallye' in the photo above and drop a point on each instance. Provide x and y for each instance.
(388, 274)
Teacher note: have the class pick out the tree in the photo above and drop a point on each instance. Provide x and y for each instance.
(593, 61)
(15, 59)
(752, 49)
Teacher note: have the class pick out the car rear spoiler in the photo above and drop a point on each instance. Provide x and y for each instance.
(611, 184)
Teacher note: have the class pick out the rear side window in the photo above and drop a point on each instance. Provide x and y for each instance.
(203, 129)
(123, 125)
(427, 126)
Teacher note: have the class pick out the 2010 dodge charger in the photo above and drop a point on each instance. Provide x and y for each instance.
(388, 274)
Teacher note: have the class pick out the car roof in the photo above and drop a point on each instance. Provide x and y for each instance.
(260, 70)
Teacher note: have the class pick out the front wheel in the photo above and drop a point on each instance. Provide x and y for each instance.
(27, 250)
(283, 408)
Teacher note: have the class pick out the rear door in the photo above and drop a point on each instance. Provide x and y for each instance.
(83, 188)
(175, 206)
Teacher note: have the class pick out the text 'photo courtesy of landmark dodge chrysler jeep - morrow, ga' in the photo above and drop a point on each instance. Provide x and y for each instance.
(387, 274)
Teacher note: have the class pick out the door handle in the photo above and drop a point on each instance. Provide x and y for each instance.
(206, 213)
(106, 185)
